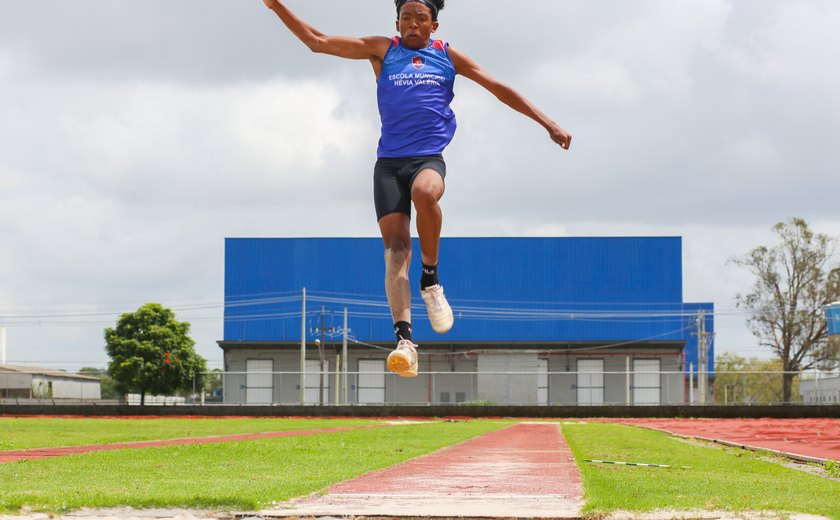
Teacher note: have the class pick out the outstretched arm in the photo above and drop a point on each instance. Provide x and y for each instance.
(507, 95)
(369, 48)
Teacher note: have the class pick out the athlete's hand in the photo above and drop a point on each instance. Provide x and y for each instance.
(270, 3)
(560, 136)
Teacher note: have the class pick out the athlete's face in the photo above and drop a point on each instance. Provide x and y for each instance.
(415, 25)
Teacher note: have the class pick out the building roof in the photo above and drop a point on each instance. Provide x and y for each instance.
(49, 372)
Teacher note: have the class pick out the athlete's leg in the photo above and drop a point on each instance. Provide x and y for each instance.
(426, 191)
(397, 238)
(395, 233)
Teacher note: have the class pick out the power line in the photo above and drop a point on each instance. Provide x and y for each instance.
(617, 312)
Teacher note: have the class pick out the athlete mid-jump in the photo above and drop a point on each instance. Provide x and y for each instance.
(415, 77)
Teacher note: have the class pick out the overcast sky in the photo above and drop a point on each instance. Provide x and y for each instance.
(136, 136)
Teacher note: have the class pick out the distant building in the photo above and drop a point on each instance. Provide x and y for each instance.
(824, 390)
(18, 382)
(537, 321)
(832, 318)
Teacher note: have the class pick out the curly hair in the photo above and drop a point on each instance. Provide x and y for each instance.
(435, 5)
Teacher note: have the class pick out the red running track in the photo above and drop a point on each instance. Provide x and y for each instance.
(808, 438)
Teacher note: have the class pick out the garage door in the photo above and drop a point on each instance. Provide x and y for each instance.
(590, 381)
(313, 381)
(371, 381)
(259, 383)
(646, 381)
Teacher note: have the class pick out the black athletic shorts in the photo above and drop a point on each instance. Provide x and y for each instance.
(393, 178)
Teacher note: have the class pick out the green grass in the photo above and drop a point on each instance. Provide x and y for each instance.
(724, 479)
(251, 475)
(832, 468)
(25, 433)
(239, 475)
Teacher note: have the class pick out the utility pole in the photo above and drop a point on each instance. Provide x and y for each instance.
(344, 357)
(691, 383)
(702, 354)
(303, 350)
(321, 345)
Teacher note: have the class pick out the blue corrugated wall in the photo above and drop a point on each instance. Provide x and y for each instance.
(501, 289)
(832, 317)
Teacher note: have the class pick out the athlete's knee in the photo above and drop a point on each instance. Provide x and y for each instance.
(396, 265)
(398, 244)
(427, 188)
(395, 230)
(425, 196)
(397, 251)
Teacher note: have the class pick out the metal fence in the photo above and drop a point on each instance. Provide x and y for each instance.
(371, 388)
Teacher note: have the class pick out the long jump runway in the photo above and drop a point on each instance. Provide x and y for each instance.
(522, 471)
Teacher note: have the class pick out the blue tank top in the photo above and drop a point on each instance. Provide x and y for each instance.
(414, 91)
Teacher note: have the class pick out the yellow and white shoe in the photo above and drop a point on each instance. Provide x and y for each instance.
(440, 313)
(403, 360)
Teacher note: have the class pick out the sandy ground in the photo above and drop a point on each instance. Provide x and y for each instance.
(124, 514)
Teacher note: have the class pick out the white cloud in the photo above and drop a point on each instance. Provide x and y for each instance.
(596, 83)
(153, 143)
(8, 63)
(796, 48)
(651, 52)
(757, 152)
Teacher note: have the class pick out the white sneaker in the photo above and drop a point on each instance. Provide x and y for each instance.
(403, 360)
(440, 313)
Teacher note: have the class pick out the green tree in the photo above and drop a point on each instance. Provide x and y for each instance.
(793, 282)
(152, 353)
(749, 381)
(213, 383)
(832, 355)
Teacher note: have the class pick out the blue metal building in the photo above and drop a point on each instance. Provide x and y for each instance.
(555, 300)
(832, 318)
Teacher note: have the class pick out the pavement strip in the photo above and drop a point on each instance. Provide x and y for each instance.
(522, 471)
